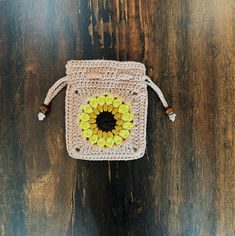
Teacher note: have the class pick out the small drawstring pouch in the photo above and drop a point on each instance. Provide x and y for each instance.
(106, 109)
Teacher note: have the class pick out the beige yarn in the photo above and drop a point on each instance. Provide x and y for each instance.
(93, 77)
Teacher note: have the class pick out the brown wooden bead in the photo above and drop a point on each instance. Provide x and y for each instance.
(169, 110)
(44, 108)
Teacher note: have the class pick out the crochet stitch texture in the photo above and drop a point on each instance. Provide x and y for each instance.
(90, 79)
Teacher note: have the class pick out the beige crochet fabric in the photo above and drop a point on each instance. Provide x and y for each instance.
(90, 78)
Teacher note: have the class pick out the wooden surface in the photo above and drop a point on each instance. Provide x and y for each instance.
(185, 183)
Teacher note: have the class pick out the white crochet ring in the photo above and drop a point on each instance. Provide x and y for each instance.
(106, 109)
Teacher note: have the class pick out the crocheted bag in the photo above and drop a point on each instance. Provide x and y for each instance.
(106, 109)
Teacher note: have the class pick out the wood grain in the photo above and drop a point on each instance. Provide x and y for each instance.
(184, 185)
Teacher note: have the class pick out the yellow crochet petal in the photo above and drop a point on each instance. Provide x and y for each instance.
(101, 100)
(100, 133)
(110, 108)
(93, 121)
(128, 125)
(96, 111)
(93, 102)
(109, 142)
(118, 140)
(114, 131)
(93, 139)
(124, 108)
(93, 126)
(109, 99)
(117, 116)
(104, 134)
(95, 131)
(114, 111)
(101, 142)
(84, 116)
(100, 108)
(105, 107)
(93, 116)
(110, 134)
(118, 127)
(124, 133)
(87, 108)
(87, 133)
(84, 124)
(119, 122)
(117, 102)
(127, 117)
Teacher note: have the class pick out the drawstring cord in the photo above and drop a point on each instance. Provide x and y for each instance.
(52, 92)
(168, 110)
(61, 83)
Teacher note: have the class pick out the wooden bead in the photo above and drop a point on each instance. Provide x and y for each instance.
(44, 108)
(169, 110)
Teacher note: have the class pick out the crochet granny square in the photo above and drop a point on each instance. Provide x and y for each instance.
(106, 109)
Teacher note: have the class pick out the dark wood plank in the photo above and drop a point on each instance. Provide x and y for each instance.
(184, 185)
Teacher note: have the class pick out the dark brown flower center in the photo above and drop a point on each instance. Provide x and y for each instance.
(105, 121)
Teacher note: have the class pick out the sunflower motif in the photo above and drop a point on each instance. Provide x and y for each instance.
(106, 120)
